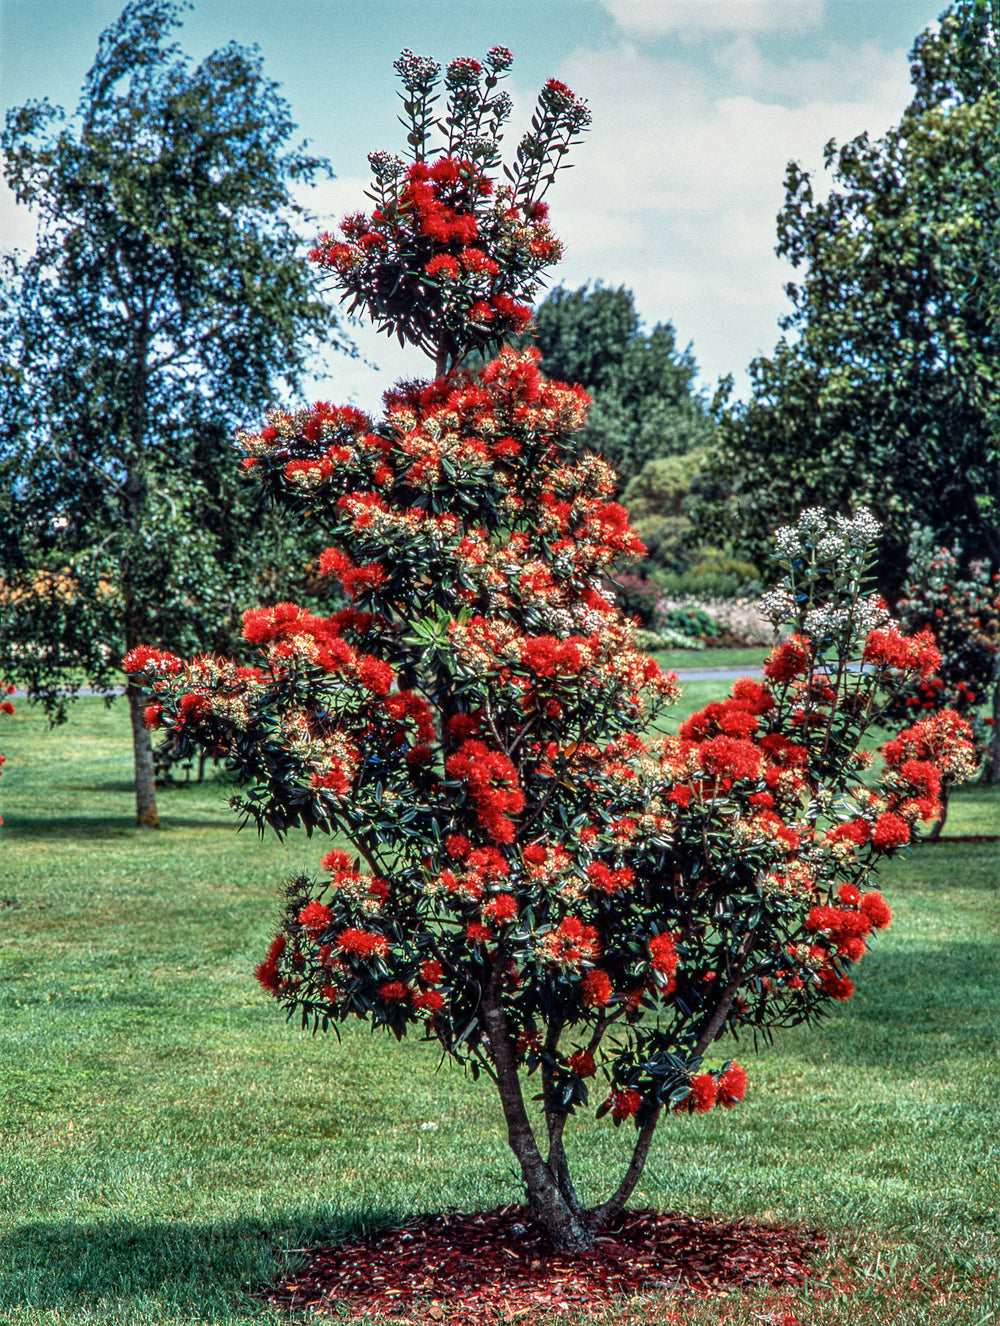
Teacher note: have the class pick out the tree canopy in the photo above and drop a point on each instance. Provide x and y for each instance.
(646, 404)
(165, 298)
(884, 389)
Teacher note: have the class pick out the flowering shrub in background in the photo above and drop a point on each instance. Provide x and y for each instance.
(6, 708)
(520, 872)
(961, 608)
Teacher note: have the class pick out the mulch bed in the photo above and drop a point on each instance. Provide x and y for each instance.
(476, 1269)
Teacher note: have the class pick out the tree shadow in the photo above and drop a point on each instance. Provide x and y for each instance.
(59, 826)
(912, 1004)
(196, 1271)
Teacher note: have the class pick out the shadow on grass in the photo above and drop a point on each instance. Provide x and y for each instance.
(196, 1271)
(913, 1007)
(57, 825)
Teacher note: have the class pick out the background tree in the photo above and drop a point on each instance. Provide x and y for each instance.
(886, 389)
(531, 880)
(645, 402)
(164, 298)
(960, 606)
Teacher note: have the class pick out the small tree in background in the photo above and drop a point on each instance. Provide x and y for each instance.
(165, 299)
(6, 708)
(961, 608)
(645, 404)
(885, 390)
(521, 874)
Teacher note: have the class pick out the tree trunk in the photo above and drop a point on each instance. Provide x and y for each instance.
(146, 816)
(567, 1230)
(938, 824)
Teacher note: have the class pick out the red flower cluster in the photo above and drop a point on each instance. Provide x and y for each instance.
(361, 944)
(494, 790)
(887, 648)
(146, 659)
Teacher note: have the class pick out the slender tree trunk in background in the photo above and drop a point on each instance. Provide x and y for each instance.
(938, 825)
(146, 816)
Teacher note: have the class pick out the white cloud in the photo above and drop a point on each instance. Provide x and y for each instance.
(679, 182)
(17, 224)
(649, 19)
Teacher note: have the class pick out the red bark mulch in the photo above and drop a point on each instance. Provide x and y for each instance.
(477, 1269)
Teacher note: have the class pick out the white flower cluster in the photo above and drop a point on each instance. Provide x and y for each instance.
(826, 620)
(777, 605)
(835, 540)
(860, 529)
(870, 613)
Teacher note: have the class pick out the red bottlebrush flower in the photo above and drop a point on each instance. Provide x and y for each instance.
(394, 992)
(267, 973)
(663, 954)
(581, 1064)
(857, 832)
(333, 562)
(704, 1092)
(788, 660)
(876, 909)
(429, 1001)
(624, 1104)
(596, 989)
(418, 755)
(681, 795)
(849, 895)
(853, 949)
(457, 846)
(316, 917)
(430, 972)
(362, 943)
(837, 987)
(476, 933)
(443, 266)
(363, 579)
(501, 908)
(729, 757)
(839, 925)
(336, 862)
(152, 716)
(732, 1086)
(460, 726)
(752, 696)
(890, 831)
(375, 675)
(193, 706)
(145, 659)
(534, 854)
(888, 648)
(612, 882)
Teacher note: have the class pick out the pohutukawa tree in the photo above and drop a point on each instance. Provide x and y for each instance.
(522, 873)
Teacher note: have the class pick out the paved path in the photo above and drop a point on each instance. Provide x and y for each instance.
(685, 674)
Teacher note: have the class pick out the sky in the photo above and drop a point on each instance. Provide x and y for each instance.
(698, 105)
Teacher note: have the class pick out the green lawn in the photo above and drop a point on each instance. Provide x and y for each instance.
(166, 1138)
(697, 659)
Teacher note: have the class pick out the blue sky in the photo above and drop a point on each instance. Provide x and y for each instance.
(698, 105)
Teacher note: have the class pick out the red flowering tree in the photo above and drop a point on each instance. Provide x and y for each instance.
(960, 605)
(522, 874)
(6, 708)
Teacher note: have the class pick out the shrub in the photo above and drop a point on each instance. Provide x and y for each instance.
(961, 608)
(531, 881)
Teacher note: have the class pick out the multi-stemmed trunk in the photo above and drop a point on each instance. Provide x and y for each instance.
(553, 1199)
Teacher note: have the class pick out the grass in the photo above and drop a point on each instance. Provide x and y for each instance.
(699, 659)
(167, 1140)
